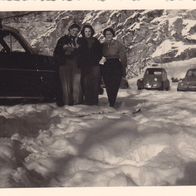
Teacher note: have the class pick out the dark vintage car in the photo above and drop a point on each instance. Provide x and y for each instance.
(189, 82)
(154, 78)
(24, 74)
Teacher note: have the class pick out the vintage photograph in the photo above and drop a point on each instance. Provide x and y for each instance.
(97, 98)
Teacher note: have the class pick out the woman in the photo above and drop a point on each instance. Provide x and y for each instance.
(65, 54)
(114, 64)
(89, 55)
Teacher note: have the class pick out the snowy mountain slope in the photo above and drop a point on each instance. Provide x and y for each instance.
(149, 35)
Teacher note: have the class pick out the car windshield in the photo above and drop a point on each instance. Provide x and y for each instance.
(153, 72)
(191, 74)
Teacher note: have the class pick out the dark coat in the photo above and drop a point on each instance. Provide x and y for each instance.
(89, 55)
(61, 54)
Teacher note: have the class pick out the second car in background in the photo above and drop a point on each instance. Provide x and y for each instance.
(154, 78)
(188, 83)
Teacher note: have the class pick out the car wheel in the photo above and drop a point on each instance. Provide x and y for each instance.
(162, 86)
(167, 88)
(168, 85)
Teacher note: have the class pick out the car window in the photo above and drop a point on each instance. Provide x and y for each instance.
(157, 73)
(191, 73)
(13, 43)
(153, 72)
(1, 47)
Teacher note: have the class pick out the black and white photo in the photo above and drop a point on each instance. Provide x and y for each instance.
(98, 98)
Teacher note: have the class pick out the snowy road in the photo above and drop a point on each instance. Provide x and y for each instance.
(43, 145)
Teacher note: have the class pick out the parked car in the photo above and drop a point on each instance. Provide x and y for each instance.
(154, 78)
(25, 74)
(189, 82)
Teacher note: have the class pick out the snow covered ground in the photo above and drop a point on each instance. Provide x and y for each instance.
(149, 139)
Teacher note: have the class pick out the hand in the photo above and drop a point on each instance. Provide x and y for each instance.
(66, 46)
(102, 61)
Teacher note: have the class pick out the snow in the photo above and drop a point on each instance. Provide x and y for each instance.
(172, 20)
(87, 18)
(134, 26)
(168, 46)
(188, 25)
(147, 140)
(191, 37)
(102, 146)
(130, 18)
(177, 69)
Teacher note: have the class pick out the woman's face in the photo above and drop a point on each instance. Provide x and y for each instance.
(87, 32)
(108, 36)
(74, 32)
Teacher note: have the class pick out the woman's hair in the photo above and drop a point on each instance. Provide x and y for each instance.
(89, 27)
(74, 25)
(110, 30)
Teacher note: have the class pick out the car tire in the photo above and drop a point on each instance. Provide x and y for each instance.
(165, 86)
(162, 87)
(168, 87)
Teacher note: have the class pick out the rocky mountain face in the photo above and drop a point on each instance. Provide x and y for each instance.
(150, 36)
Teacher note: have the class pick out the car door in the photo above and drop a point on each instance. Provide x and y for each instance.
(18, 71)
(48, 75)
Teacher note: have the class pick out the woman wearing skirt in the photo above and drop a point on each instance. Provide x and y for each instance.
(114, 64)
(89, 55)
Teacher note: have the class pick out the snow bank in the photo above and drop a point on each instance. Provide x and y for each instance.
(103, 146)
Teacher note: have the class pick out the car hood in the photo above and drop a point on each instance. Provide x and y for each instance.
(189, 81)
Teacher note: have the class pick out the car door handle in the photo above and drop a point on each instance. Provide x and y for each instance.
(41, 78)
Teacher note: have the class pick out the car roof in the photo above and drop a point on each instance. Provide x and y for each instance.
(7, 29)
(192, 69)
(156, 69)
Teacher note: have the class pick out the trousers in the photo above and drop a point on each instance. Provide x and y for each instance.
(112, 75)
(70, 77)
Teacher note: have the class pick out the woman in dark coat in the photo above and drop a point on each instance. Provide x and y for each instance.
(114, 64)
(65, 54)
(89, 55)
